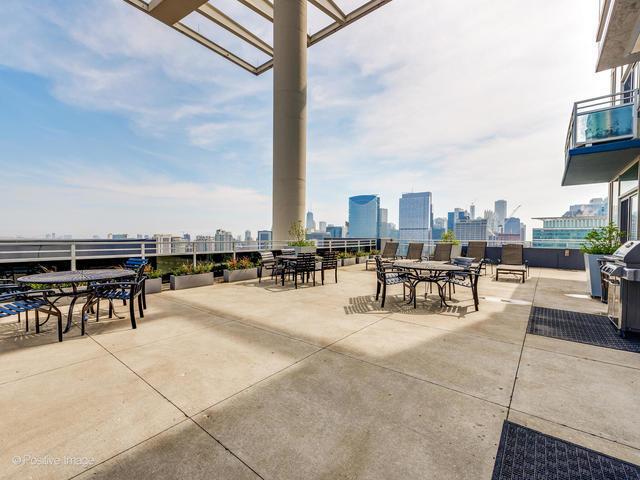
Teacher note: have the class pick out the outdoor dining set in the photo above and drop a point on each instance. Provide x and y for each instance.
(43, 293)
(441, 270)
(299, 266)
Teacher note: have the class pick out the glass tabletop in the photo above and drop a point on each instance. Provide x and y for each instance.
(77, 276)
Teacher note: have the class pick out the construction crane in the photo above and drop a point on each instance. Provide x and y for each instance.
(513, 212)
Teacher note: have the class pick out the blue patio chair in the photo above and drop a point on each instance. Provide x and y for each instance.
(25, 301)
(137, 264)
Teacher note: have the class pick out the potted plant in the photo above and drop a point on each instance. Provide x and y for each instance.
(188, 276)
(599, 242)
(362, 256)
(242, 269)
(374, 252)
(153, 283)
(347, 258)
(299, 242)
(450, 237)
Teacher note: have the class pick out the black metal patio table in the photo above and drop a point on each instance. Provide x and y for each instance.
(75, 278)
(439, 272)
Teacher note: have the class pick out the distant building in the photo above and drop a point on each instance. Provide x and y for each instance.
(454, 217)
(467, 229)
(224, 241)
(597, 207)
(472, 212)
(334, 231)
(363, 216)
(311, 223)
(264, 239)
(117, 236)
(163, 243)
(247, 236)
(415, 217)
(513, 226)
(205, 243)
(500, 212)
(565, 232)
(383, 225)
(322, 226)
(394, 233)
(440, 222)
(437, 232)
(317, 235)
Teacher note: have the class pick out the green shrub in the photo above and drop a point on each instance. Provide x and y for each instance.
(602, 241)
(450, 237)
(240, 264)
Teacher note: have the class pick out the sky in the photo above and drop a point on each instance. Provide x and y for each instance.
(112, 122)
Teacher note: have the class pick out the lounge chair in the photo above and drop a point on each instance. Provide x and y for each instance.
(414, 251)
(389, 254)
(442, 252)
(512, 262)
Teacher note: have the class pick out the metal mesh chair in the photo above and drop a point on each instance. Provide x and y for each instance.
(389, 253)
(268, 262)
(414, 251)
(329, 262)
(387, 275)
(467, 278)
(512, 262)
(18, 302)
(477, 251)
(442, 252)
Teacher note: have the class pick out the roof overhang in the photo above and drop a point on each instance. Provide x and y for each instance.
(598, 163)
(173, 13)
(618, 34)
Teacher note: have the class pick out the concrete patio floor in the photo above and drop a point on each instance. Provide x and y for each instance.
(248, 380)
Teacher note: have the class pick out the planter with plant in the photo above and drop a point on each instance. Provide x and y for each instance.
(188, 276)
(373, 252)
(347, 258)
(153, 283)
(361, 256)
(450, 237)
(240, 269)
(299, 242)
(598, 243)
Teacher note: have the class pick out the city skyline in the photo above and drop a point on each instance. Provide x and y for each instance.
(194, 158)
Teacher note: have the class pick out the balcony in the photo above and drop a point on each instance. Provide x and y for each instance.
(602, 138)
(249, 380)
(617, 37)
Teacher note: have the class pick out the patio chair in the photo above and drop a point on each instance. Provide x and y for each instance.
(414, 251)
(442, 252)
(329, 262)
(467, 278)
(125, 291)
(477, 250)
(17, 302)
(389, 253)
(268, 262)
(305, 265)
(512, 262)
(387, 275)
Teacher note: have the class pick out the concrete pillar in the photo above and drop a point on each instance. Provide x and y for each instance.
(289, 115)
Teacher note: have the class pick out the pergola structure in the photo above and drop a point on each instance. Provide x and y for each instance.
(289, 61)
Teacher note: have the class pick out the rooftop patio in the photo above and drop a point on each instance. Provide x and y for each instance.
(252, 380)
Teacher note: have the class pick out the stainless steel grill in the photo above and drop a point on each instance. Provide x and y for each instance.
(621, 273)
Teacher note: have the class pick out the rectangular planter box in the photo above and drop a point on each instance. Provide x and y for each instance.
(362, 260)
(153, 285)
(310, 249)
(239, 275)
(348, 261)
(593, 274)
(190, 281)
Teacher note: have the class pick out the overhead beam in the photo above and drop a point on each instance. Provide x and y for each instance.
(172, 11)
(214, 47)
(216, 16)
(330, 8)
(354, 16)
(263, 8)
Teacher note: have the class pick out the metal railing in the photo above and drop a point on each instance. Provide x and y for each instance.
(24, 251)
(603, 119)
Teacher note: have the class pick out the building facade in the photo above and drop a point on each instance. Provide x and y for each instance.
(334, 231)
(500, 212)
(565, 231)
(415, 217)
(363, 216)
(603, 141)
(467, 229)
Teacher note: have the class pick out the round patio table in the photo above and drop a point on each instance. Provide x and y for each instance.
(75, 277)
(439, 272)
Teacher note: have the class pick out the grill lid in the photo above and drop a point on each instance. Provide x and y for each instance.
(628, 253)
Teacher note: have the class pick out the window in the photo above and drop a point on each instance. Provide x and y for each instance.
(633, 218)
(629, 180)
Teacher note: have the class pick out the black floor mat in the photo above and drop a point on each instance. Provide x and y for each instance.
(579, 327)
(526, 454)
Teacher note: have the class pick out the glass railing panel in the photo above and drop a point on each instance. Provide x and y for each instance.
(607, 124)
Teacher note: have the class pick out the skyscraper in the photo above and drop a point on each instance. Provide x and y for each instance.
(247, 236)
(467, 229)
(264, 238)
(322, 226)
(334, 231)
(224, 241)
(500, 212)
(311, 223)
(453, 217)
(383, 223)
(472, 212)
(512, 226)
(363, 216)
(415, 217)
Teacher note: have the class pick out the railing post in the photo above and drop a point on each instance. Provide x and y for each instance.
(195, 257)
(233, 249)
(358, 244)
(73, 256)
(142, 253)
